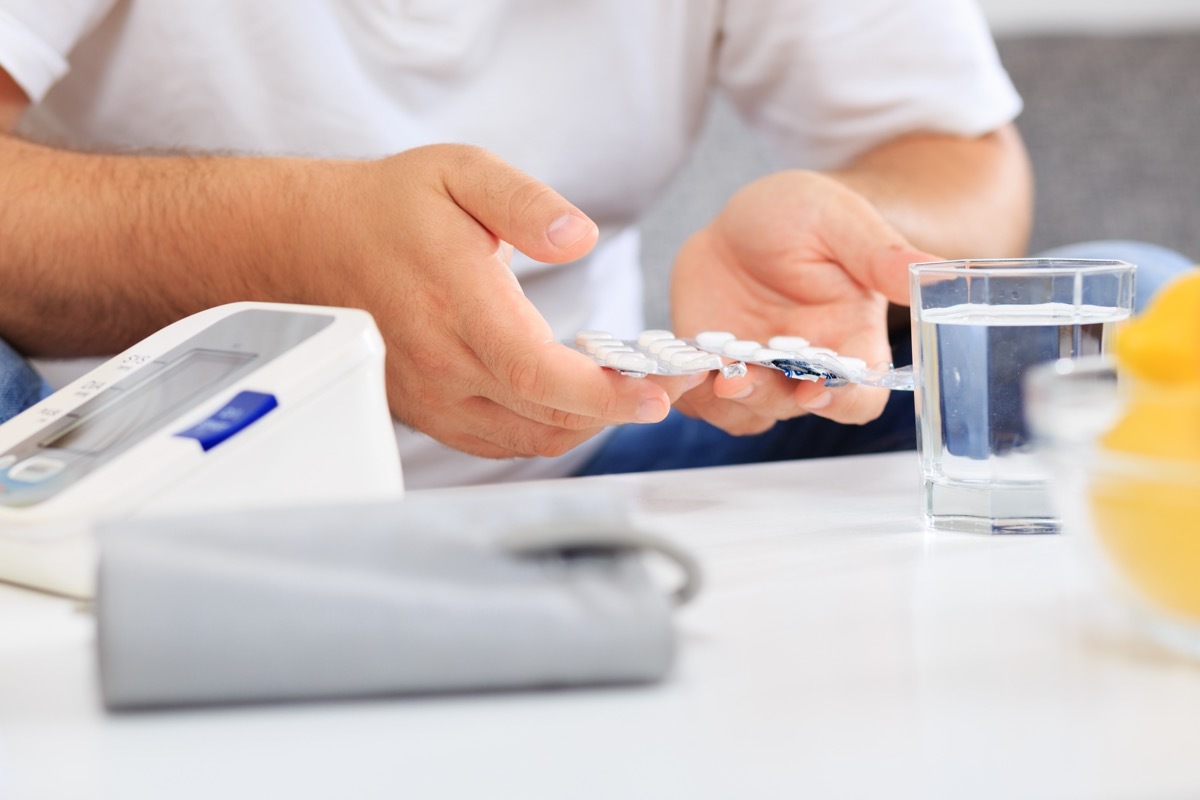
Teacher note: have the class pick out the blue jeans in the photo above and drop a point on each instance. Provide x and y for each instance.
(680, 442)
(20, 386)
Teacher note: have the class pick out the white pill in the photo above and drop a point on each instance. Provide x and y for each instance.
(853, 364)
(769, 354)
(583, 337)
(646, 337)
(683, 355)
(598, 349)
(740, 348)
(788, 342)
(704, 362)
(665, 354)
(714, 340)
(658, 345)
(817, 351)
(629, 362)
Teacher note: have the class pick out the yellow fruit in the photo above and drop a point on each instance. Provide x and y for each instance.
(1151, 531)
(1150, 524)
(1159, 354)
(1158, 422)
(1163, 344)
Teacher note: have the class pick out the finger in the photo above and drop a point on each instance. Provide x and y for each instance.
(673, 387)
(556, 377)
(764, 391)
(492, 422)
(778, 397)
(851, 405)
(517, 208)
(873, 252)
(488, 429)
(676, 386)
(549, 415)
(480, 426)
(528, 367)
(730, 416)
(472, 378)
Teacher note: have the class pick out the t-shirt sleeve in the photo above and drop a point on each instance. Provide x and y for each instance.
(825, 80)
(37, 36)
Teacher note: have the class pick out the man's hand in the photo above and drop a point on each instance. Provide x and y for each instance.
(470, 360)
(793, 253)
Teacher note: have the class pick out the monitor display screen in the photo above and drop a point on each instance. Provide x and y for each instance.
(123, 414)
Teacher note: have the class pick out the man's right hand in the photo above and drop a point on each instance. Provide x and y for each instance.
(427, 239)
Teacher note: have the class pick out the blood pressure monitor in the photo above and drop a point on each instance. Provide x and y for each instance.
(244, 405)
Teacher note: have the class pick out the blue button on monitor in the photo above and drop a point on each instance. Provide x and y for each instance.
(234, 416)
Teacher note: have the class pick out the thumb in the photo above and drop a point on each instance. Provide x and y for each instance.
(876, 254)
(518, 209)
(886, 270)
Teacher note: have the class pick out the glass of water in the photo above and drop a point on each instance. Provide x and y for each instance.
(978, 327)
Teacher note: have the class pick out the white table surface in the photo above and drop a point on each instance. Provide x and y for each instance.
(839, 650)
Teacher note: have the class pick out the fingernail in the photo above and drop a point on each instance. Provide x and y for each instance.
(567, 230)
(819, 402)
(695, 380)
(651, 410)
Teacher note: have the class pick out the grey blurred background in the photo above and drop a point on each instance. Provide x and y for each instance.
(1112, 123)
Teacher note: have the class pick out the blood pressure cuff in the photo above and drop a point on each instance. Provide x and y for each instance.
(497, 588)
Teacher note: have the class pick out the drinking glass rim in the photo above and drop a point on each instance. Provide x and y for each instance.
(1018, 267)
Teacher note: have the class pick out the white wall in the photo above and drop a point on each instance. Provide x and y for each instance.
(1108, 16)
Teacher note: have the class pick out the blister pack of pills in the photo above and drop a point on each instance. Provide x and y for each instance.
(660, 352)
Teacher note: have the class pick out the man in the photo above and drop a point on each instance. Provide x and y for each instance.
(123, 210)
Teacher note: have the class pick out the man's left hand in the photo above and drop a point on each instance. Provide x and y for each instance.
(794, 253)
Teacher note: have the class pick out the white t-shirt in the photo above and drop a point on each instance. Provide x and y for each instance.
(600, 99)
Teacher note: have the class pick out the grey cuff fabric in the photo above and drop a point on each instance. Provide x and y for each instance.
(452, 591)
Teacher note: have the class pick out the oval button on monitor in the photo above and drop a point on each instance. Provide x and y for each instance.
(36, 469)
